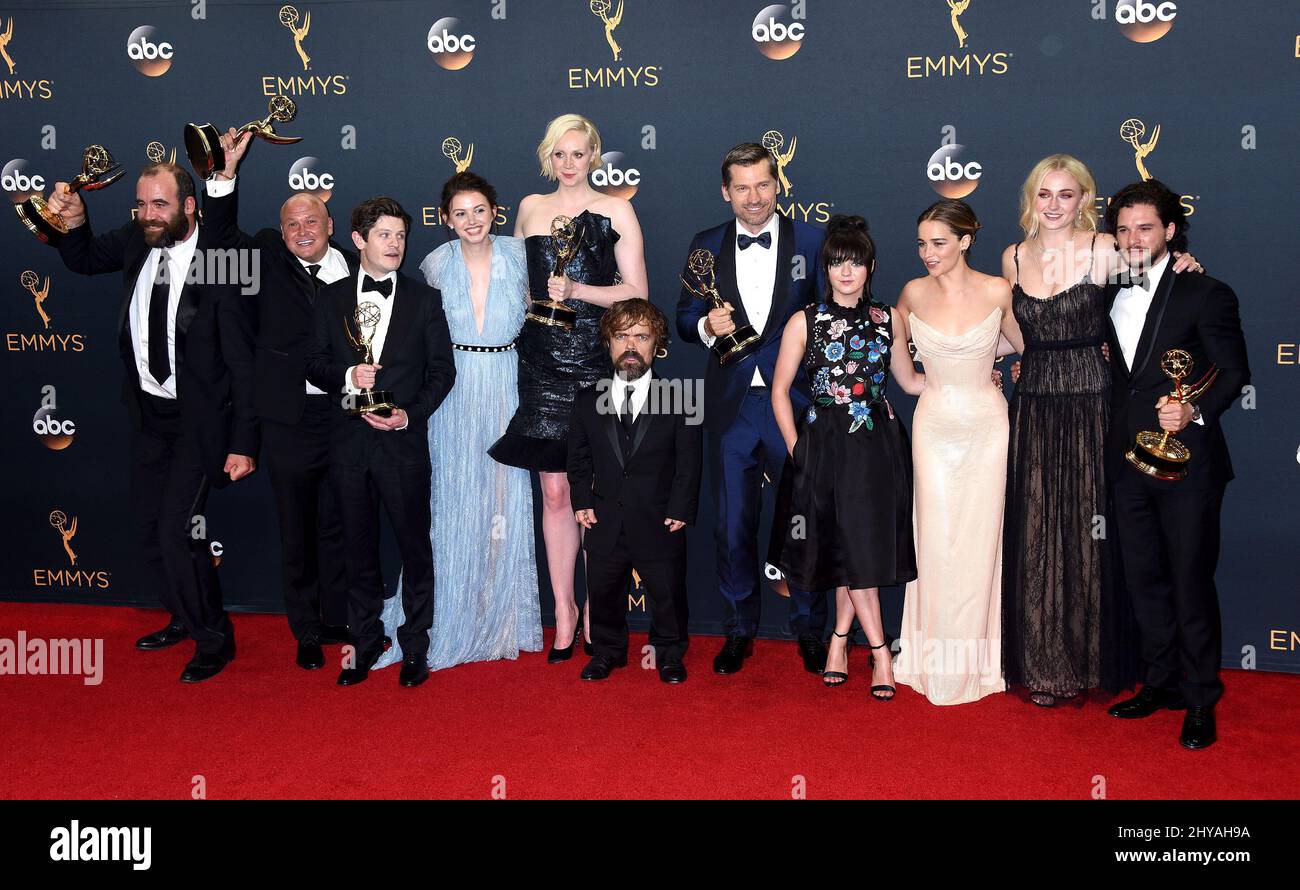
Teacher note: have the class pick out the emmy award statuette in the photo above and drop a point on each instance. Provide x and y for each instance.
(203, 141)
(1160, 455)
(366, 318)
(566, 236)
(97, 170)
(744, 338)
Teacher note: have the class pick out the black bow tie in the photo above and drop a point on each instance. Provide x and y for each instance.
(764, 240)
(384, 287)
(1141, 280)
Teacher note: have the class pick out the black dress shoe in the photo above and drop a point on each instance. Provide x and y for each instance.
(354, 675)
(1147, 702)
(332, 634)
(732, 657)
(587, 649)
(205, 666)
(601, 666)
(310, 654)
(1198, 729)
(813, 651)
(169, 636)
(415, 670)
(672, 672)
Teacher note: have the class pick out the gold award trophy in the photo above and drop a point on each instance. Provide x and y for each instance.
(203, 141)
(1159, 454)
(743, 339)
(566, 236)
(97, 170)
(366, 318)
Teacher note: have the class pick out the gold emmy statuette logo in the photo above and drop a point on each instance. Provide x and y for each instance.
(156, 151)
(600, 9)
(772, 141)
(5, 37)
(957, 7)
(289, 18)
(1132, 131)
(30, 280)
(59, 522)
(451, 148)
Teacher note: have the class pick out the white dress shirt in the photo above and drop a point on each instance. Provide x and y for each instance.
(179, 256)
(1129, 311)
(640, 392)
(385, 305)
(755, 277)
(333, 267)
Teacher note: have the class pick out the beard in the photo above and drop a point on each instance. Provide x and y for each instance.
(165, 234)
(631, 366)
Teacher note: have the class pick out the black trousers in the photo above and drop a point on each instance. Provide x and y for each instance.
(1169, 543)
(313, 575)
(609, 577)
(403, 492)
(168, 490)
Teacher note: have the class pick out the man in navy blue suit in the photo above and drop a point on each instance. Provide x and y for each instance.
(766, 270)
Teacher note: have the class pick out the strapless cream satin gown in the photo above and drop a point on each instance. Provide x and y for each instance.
(951, 633)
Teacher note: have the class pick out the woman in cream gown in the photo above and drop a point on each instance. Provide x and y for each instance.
(950, 639)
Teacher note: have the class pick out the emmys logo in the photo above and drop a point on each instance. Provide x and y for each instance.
(302, 178)
(778, 30)
(613, 177)
(17, 184)
(636, 599)
(451, 49)
(16, 88)
(150, 56)
(39, 292)
(601, 9)
(1144, 22)
(816, 211)
(965, 64)
(949, 175)
(66, 530)
(5, 37)
(1132, 131)
(156, 152)
(451, 149)
(289, 18)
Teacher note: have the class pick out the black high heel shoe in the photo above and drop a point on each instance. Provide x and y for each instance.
(840, 677)
(557, 655)
(881, 687)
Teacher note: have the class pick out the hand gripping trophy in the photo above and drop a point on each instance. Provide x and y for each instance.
(744, 338)
(203, 141)
(97, 171)
(367, 318)
(566, 235)
(1160, 455)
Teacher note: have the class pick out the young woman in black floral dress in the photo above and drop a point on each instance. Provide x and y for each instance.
(844, 508)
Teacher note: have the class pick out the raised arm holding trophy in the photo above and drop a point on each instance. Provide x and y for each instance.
(97, 171)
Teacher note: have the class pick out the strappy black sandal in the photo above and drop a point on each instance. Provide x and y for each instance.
(881, 687)
(840, 677)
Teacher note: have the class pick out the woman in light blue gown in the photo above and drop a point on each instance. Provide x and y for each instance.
(485, 574)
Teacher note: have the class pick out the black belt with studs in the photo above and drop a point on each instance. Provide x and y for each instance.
(467, 348)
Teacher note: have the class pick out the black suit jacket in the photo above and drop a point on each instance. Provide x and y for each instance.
(214, 344)
(282, 311)
(418, 367)
(658, 481)
(1199, 314)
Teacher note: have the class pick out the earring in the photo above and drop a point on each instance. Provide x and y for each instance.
(661, 352)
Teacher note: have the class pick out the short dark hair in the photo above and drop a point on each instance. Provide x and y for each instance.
(955, 214)
(468, 181)
(1169, 207)
(626, 313)
(184, 181)
(745, 154)
(847, 239)
(367, 213)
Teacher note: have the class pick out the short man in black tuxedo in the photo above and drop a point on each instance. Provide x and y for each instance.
(634, 477)
(296, 261)
(384, 460)
(186, 345)
(1169, 530)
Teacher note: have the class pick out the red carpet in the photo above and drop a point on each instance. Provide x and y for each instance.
(265, 729)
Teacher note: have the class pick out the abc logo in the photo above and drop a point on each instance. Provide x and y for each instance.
(18, 184)
(950, 175)
(304, 178)
(54, 434)
(775, 33)
(451, 49)
(1142, 21)
(150, 56)
(614, 177)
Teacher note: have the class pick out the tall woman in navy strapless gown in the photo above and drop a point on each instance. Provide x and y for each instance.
(554, 363)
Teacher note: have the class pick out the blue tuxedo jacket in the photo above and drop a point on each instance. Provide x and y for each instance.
(725, 385)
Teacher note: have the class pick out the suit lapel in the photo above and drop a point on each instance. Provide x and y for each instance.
(1155, 314)
(1117, 354)
(724, 269)
(643, 421)
(132, 278)
(611, 430)
(781, 283)
(401, 308)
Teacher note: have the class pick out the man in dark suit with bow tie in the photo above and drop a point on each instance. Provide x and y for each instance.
(634, 476)
(186, 344)
(767, 270)
(383, 457)
(296, 260)
(1169, 530)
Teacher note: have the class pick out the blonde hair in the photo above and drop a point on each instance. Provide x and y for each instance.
(1051, 164)
(556, 129)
